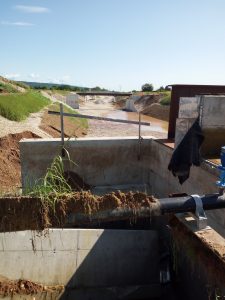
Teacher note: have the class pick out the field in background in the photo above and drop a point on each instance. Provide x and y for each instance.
(18, 106)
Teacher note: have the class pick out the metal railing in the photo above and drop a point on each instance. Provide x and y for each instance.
(63, 114)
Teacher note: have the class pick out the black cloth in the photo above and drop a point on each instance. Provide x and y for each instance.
(187, 153)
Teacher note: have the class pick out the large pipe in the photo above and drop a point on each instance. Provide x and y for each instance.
(187, 203)
(163, 206)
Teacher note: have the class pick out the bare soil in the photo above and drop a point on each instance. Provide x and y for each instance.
(158, 111)
(9, 288)
(10, 169)
(27, 213)
(51, 125)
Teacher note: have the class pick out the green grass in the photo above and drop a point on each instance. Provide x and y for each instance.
(61, 92)
(166, 99)
(22, 85)
(7, 88)
(82, 122)
(53, 185)
(18, 106)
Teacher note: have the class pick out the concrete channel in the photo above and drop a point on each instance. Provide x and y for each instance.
(121, 260)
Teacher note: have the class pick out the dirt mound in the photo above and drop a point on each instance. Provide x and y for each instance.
(146, 100)
(51, 125)
(24, 213)
(157, 111)
(10, 160)
(8, 288)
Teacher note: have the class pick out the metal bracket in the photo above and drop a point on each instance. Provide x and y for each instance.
(200, 215)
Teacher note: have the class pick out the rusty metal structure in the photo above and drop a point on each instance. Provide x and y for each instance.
(187, 90)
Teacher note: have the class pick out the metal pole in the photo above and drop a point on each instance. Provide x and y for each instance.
(62, 129)
(139, 136)
(98, 118)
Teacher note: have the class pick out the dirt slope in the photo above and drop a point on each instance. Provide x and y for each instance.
(10, 178)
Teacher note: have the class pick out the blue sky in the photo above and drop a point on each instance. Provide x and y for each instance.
(116, 44)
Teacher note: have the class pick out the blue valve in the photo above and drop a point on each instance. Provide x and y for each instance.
(221, 182)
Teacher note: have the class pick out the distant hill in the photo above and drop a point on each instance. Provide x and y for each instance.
(56, 86)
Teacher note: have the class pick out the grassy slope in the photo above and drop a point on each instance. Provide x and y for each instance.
(61, 92)
(18, 106)
(7, 88)
(77, 121)
(166, 99)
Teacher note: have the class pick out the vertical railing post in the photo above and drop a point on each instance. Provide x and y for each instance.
(139, 136)
(62, 129)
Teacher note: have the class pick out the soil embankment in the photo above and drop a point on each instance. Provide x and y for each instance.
(10, 179)
(157, 111)
(51, 125)
(30, 213)
(148, 105)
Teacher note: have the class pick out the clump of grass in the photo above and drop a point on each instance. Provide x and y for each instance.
(53, 185)
(18, 106)
(166, 100)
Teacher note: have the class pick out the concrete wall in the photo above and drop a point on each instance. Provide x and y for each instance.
(72, 99)
(130, 103)
(81, 259)
(102, 161)
(212, 121)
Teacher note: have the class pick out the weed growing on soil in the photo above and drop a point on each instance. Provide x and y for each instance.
(54, 184)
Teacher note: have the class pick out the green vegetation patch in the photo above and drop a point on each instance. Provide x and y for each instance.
(7, 88)
(81, 122)
(22, 85)
(18, 106)
(166, 99)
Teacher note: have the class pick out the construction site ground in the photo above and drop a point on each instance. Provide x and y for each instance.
(43, 125)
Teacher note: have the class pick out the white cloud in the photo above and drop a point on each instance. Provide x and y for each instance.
(22, 24)
(32, 9)
(12, 76)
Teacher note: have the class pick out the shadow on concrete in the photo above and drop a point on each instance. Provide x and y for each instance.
(115, 264)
